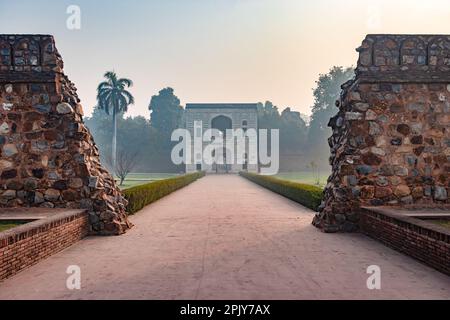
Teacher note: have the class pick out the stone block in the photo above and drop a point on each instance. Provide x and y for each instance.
(402, 191)
(350, 116)
(440, 193)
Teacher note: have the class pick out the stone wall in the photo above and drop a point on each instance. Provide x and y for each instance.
(48, 157)
(391, 136)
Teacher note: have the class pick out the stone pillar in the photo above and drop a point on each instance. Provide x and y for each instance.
(48, 156)
(391, 136)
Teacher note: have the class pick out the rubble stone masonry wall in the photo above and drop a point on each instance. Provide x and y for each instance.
(391, 137)
(48, 157)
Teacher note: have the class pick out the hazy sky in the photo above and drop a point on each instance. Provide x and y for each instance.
(217, 50)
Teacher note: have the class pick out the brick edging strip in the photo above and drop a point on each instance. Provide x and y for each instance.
(25, 245)
(421, 240)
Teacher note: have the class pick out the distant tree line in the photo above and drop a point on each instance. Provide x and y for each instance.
(303, 140)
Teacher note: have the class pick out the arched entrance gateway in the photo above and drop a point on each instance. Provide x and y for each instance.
(221, 165)
(222, 117)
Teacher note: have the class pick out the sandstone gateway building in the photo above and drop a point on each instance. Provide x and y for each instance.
(221, 116)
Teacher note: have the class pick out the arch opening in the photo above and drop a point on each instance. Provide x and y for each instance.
(222, 123)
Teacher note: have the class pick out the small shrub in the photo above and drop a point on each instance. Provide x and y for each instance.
(140, 196)
(305, 194)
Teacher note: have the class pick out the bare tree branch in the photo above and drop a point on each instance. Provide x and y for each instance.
(125, 163)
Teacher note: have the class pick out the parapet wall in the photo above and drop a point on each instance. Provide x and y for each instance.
(391, 136)
(24, 246)
(48, 157)
(421, 239)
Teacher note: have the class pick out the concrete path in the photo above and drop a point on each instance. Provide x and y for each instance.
(224, 237)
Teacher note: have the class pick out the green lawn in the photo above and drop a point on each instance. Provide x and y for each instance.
(5, 225)
(305, 177)
(442, 223)
(135, 179)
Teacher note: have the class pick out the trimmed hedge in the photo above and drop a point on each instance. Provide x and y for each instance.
(305, 194)
(140, 196)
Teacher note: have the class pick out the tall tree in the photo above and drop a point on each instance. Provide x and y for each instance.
(293, 132)
(326, 92)
(166, 113)
(268, 116)
(113, 97)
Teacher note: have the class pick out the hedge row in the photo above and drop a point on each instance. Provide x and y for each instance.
(305, 194)
(142, 195)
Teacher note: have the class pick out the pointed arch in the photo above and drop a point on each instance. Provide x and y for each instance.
(439, 51)
(26, 53)
(48, 53)
(413, 51)
(5, 53)
(386, 52)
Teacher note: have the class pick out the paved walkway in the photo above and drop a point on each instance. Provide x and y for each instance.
(224, 237)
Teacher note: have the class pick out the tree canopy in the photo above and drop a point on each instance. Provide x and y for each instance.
(326, 92)
(113, 97)
(165, 112)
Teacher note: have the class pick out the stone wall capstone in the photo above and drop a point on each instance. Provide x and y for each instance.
(48, 156)
(391, 137)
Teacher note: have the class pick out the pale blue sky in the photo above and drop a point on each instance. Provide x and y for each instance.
(217, 50)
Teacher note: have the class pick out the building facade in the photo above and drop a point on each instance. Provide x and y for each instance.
(220, 116)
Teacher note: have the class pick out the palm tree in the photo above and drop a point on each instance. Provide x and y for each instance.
(113, 96)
